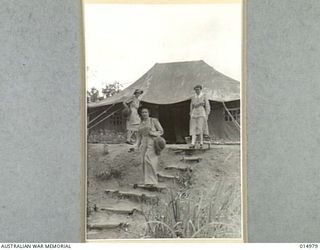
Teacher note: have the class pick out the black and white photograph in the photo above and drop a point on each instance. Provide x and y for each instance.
(164, 136)
(147, 123)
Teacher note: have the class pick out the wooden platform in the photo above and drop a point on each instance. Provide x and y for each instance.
(179, 148)
(226, 143)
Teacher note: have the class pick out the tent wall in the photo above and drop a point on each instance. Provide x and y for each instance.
(174, 119)
(221, 128)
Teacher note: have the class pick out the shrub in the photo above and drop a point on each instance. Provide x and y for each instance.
(110, 173)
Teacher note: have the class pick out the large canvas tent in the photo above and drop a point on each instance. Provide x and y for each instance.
(168, 88)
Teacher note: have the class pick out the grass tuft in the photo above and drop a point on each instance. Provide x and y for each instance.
(214, 214)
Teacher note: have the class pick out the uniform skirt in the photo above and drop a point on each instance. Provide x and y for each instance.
(198, 125)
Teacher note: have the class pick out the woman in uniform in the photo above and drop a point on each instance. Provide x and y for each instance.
(133, 120)
(199, 112)
(149, 130)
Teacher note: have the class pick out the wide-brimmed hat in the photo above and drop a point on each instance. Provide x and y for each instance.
(138, 91)
(126, 112)
(159, 144)
(198, 86)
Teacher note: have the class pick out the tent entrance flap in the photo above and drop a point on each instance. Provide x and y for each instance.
(175, 121)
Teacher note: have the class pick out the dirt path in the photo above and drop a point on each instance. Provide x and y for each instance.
(203, 197)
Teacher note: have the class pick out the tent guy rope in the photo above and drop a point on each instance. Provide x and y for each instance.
(104, 118)
(232, 118)
(101, 114)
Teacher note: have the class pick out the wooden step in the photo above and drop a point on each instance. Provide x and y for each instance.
(158, 187)
(134, 195)
(127, 211)
(177, 150)
(191, 151)
(175, 167)
(191, 158)
(167, 177)
(118, 207)
(111, 225)
(194, 150)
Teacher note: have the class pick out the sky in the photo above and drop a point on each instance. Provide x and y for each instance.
(123, 41)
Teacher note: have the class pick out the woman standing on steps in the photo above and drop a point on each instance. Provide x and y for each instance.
(149, 129)
(199, 113)
(133, 120)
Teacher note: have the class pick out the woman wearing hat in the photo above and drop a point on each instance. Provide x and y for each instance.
(199, 112)
(149, 145)
(133, 119)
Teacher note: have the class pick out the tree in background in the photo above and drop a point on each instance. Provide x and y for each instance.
(111, 89)
(93, 95)
(88, 96)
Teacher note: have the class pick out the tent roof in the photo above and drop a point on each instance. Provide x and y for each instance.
(167, 83)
